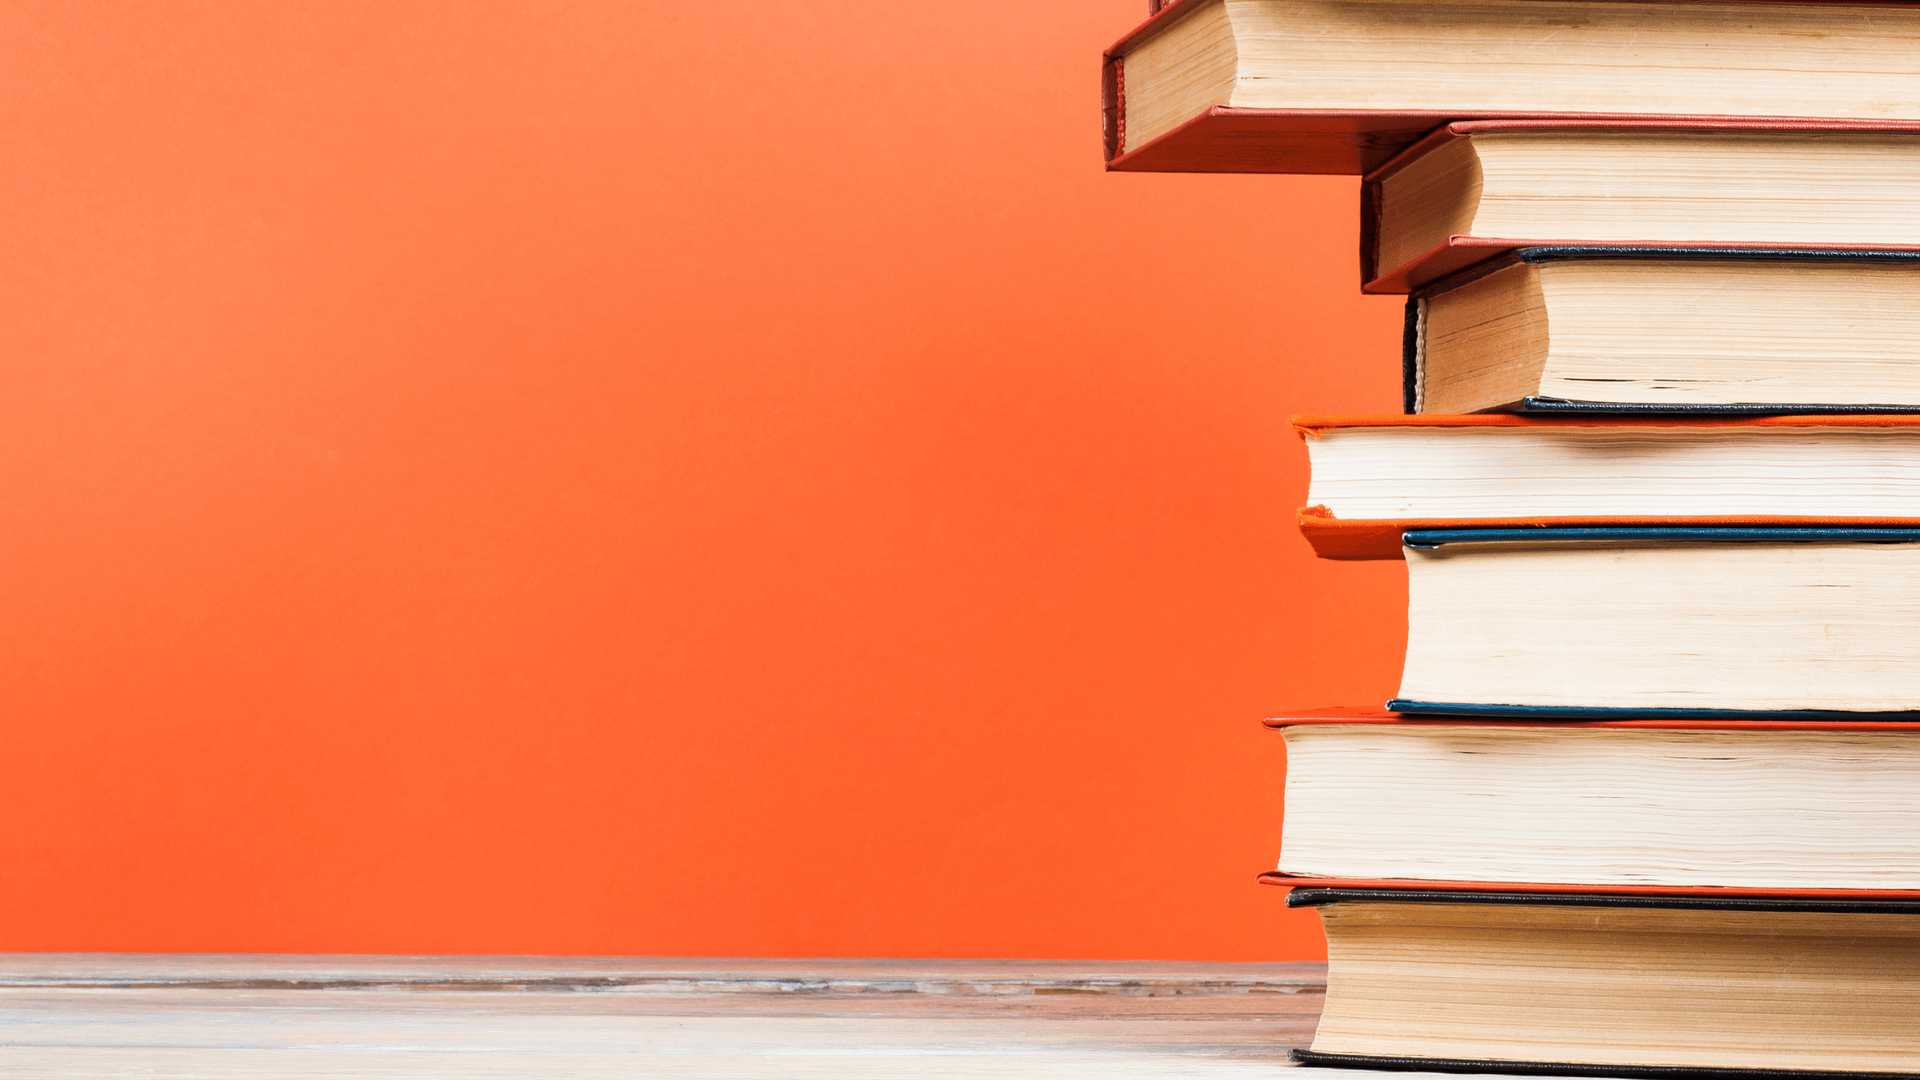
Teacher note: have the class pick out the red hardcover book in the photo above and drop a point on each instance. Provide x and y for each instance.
(1375, 477)
(1304, 86)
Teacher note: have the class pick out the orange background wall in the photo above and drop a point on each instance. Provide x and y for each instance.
(647, 478)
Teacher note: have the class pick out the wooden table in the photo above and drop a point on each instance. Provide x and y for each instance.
(84, 1015)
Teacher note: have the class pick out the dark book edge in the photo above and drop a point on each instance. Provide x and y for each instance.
(1609, 718)
(1567, 1068)
(1428, 539)
(1570, 712)
(1113, 116)
(1547, 253)
(1321, 896)
(1370, 222)
(1676, 252)
(1413, 338)
(1459, 255)
(1284, 880)
(1546, 406)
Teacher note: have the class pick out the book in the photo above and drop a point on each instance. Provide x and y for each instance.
(1663, 621)
(1724, 807)
(1679, 329)
(1338, 86)
(1475, 190)
(1375, 477)
(1609, 985)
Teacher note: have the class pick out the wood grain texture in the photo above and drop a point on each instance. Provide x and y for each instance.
(401, 1017)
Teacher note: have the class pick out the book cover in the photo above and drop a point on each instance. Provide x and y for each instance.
(1352, 141)
(1732, 721)
(1677, 987)
(1413, 341)
(1459, 253)
(1662, 622)
(1333, 537)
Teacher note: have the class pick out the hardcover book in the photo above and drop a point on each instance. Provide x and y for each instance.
(1607, 329)
(1339, 85)
(1663, 621)
(1714, 807)
(1475, 190)
(1615, 985)
(1376, 477)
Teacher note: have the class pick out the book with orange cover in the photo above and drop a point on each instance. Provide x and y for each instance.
(1669, 807)
(1318, 86)
(1377, 476)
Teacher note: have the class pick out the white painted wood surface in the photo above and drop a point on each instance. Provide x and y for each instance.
(403, 1017)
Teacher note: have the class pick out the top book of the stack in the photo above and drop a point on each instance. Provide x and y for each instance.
(1340, 86)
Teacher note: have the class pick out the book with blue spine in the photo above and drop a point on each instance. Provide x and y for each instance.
(1663, 621)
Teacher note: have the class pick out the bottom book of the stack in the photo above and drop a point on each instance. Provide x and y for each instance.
(1577, 984)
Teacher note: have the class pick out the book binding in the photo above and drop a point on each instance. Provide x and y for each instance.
(1400, 887)
(1584, 712)
(1528, 895)
(1568, 1068)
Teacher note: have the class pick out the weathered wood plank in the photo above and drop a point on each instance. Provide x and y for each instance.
(404, 1017)
(670, 974)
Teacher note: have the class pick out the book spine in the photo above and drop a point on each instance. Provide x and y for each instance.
(1412, 349)
(1113, 112)
(1494, 711)
(1561, 1068)
(1369, 229)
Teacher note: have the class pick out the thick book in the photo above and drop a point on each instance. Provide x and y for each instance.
(1703, 807)
(1374, 478)
(1331, 86)
(1618, 985)
(1790, 622)
(1624, 330)
(1475, 190)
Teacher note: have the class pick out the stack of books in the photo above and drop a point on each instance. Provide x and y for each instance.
(1648, 802)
